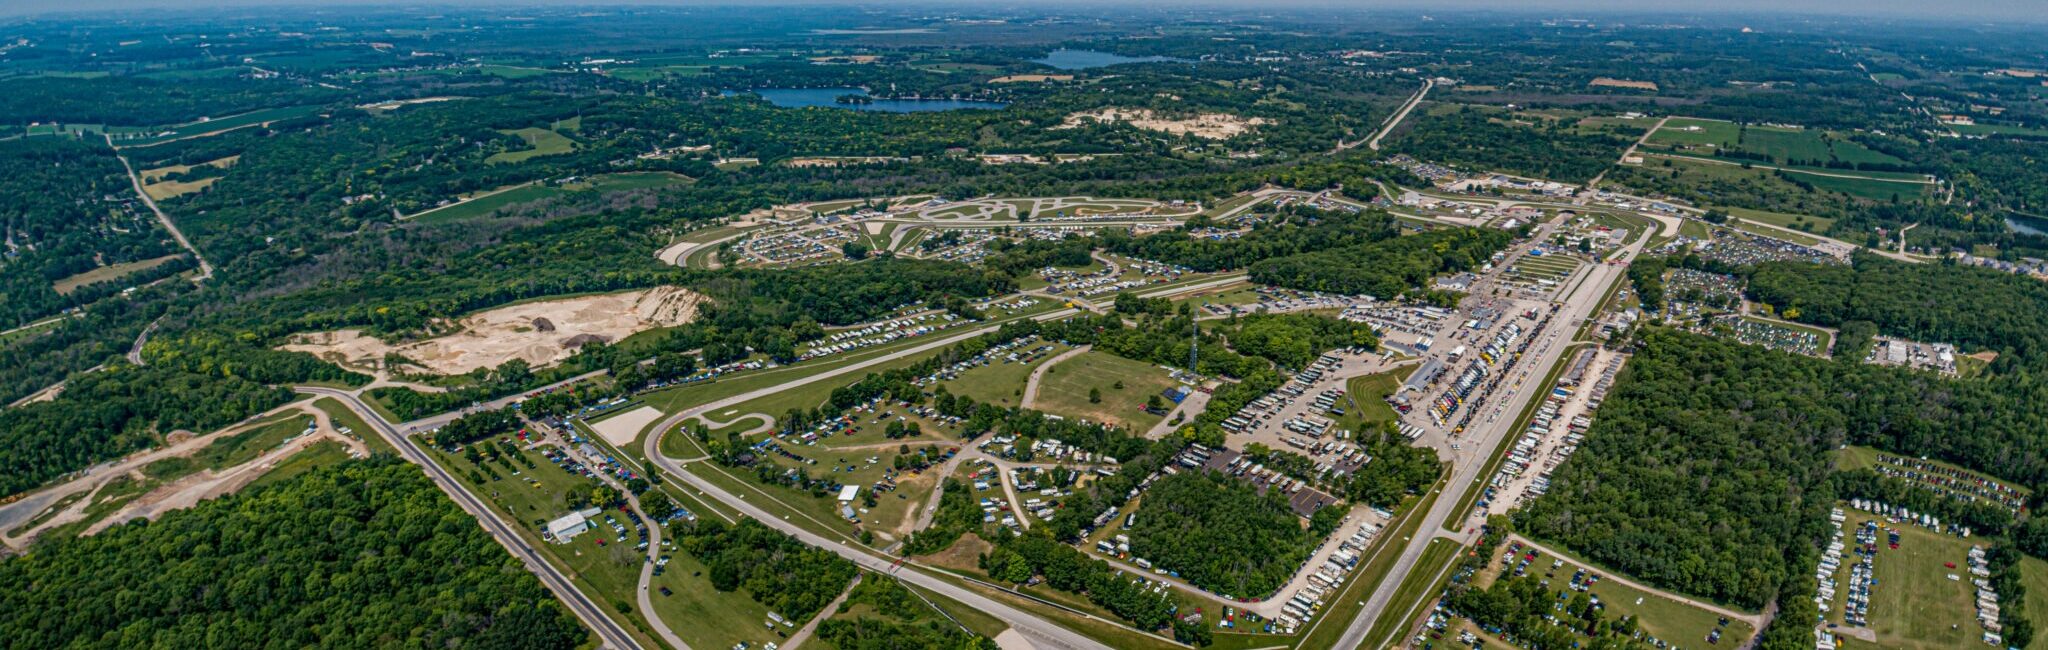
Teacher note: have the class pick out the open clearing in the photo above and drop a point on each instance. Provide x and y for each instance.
(1213, 126)
(543, 142)
(621, 429)
(1031, 78)
(110, 272)
(1914, 604)
(542, 333)
(1064, 389)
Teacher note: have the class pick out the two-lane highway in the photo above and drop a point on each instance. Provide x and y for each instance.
(608, 631)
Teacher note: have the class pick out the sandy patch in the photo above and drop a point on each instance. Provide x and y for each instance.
(1031, 78)
(542, 333)
(1624, 83)
(1011, 639)
(1213, 126)
(621, 429)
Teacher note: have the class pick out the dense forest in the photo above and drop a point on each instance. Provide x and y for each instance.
(361, 554)
(1706, 472)
(1385, 269)
(1485, 141)
(68, 209)
(1221, 534)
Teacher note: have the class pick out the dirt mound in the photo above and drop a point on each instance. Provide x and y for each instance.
(580, 340)
(487, 339)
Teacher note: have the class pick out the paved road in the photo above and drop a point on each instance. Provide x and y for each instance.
(205, 268)
(1483, 441)
(437, 421)
(610, 635)
(1623, 160)
(1038, 374)
(1374, 143)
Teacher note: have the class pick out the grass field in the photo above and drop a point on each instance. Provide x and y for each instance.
(1998, 129)
(1783, 220)
(2034, 574)
(109, 273)
(144, 138)
(1747, 226)
(319, 454)
(486, 203)
(1368, 396)
(542, 142)
(607, 571)
(1064, 389)
(1781, 144)
(1914, 603)
(1001, 382)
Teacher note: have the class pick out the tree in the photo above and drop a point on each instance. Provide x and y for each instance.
(1094, 395)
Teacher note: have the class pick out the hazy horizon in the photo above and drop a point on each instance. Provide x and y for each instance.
(2026, 11)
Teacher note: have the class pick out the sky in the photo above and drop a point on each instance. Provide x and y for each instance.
(2032, 11)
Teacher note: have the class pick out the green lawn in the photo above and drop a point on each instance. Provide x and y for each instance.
(1001, 382)
(1367, 395)
(2034, 574)
(608, 572)
(1704, 132)
(1914, 603)
(540, 142)
(1783, 220)
(1065, 388)
(703, 616)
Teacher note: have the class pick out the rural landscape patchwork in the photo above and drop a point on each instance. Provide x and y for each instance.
(879, 326)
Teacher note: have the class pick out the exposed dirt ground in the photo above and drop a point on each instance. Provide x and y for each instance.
(538, 332)
(622, 429)
(1214, 126)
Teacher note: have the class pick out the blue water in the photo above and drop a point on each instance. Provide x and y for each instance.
(2026, 225)
(1084, 59)
(829, 97)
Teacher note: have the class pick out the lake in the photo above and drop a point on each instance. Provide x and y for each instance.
(1084, 59)
(2026, 225)
(829, 97)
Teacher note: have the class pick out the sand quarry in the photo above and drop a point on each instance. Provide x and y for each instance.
(1213, 126)
(542, 333)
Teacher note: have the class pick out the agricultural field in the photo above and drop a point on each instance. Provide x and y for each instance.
(1065, 390)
